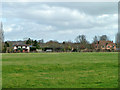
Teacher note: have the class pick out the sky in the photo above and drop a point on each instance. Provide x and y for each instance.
(61, 21)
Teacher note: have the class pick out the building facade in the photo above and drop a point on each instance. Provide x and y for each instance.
(21, 48)
(105, 45)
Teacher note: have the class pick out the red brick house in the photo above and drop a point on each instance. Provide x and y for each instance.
(105, 45)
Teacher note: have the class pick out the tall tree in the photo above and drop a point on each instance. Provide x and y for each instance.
(81, 39)
(41, 41)
(83, 43)
(104, 38)
(7, 44)
(29, 41)
(35, 43)
(95, 39)
(5, 47)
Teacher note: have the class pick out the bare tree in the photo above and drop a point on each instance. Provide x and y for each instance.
(83, 43)
(95, 39)
(81, 39)
(104, 38)
(41, 41)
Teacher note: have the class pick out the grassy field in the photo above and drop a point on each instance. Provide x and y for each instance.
(60, 70)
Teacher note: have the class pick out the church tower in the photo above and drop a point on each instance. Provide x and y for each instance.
(1, 36)
(1, 33)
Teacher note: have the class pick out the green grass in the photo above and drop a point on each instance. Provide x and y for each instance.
(60, 70)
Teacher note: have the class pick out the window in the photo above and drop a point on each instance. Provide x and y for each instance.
(23, 47)
(96, 46)
(19, 46)
(113, 46)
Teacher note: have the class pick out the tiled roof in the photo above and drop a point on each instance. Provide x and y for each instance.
(105, 42)
(20, 45)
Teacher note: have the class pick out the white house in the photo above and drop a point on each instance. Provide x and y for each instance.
(21, 48)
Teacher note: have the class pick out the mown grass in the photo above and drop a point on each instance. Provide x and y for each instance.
(60, 70)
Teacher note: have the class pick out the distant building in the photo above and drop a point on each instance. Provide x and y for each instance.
(49, 50)
(105, 45)
(38, 50)
(21, 48)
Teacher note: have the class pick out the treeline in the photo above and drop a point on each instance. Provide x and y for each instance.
(81, 43)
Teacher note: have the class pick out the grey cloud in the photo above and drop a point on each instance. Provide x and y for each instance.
(52, 20)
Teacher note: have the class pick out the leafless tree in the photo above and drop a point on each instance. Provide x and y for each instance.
(95, 39)
(81, 39)
(104, 37)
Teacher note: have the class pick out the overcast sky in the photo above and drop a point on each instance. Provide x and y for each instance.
(59, 21)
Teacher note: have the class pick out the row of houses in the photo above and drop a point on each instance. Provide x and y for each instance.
(21, 48)
(98, 46)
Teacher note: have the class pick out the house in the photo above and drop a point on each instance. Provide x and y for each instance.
(105, 45)
(47, 49)
(21, 48)
(38, 50)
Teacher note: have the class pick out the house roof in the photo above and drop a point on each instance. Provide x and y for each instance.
(20, 45)
(105, 43)
(17, 42)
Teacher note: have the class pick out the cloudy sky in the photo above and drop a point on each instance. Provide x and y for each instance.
(59, 21)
